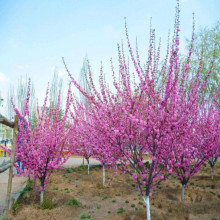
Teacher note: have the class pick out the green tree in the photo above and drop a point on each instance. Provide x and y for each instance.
(83, 80)
(207, 47)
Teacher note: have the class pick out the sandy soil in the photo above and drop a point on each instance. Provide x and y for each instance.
(202, 198)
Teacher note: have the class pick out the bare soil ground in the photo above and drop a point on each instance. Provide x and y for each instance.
(73, 194)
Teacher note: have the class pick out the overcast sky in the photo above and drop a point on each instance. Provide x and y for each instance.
(35, 34)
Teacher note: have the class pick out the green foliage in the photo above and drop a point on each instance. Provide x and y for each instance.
(98, 206)
(26, 189)
(121, 210)
(15, 207)
(206, 45)
(74, 202)
(147, 164)
(106, 197)
(212, 186)
(47, 204)
(84, 216)
(126, 201)
(202, 186)
(68, 170)
(133, 205)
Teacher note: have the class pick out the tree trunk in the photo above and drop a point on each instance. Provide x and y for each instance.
(103, 174)
(88, 166)
(35, 190)
(83, 160)
(147, 202)
(41, 197)
(212, 177)
(183, 192)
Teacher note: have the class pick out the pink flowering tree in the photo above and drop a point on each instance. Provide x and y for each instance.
(40, 148)
(143, 116)
(80, 135)
(198, 142)
(210, 131)
(88, 141)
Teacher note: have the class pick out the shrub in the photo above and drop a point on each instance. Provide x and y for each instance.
(84, 216)
(68, 170)
(47, 204)
(74, 202)
(121, 210)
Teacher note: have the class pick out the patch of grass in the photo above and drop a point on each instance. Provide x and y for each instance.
(15, 207)
(153, 203)
(69, 181)
(55, 188)
(113, 200)
(68, 170)
(98, 206)
(126, 201)
(169, 210)
(135, 198)
(202, 186)
(140, 208)
(47, 204)
(212, 186)
(159, 206)
(140, 203)
(133, 205)
(84, 216)
(129, 180)
(109, 212)
(73, 169)
(121, 210)
(66, 189)
(118, 194)
(30, 181)
(106, 197)
(212, 193)
(26, 189)
(73, 202)
(133, 185)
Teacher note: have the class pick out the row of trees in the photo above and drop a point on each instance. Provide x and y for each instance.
(175, 122)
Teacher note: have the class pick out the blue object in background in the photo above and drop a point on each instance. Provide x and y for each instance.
(20, 166)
